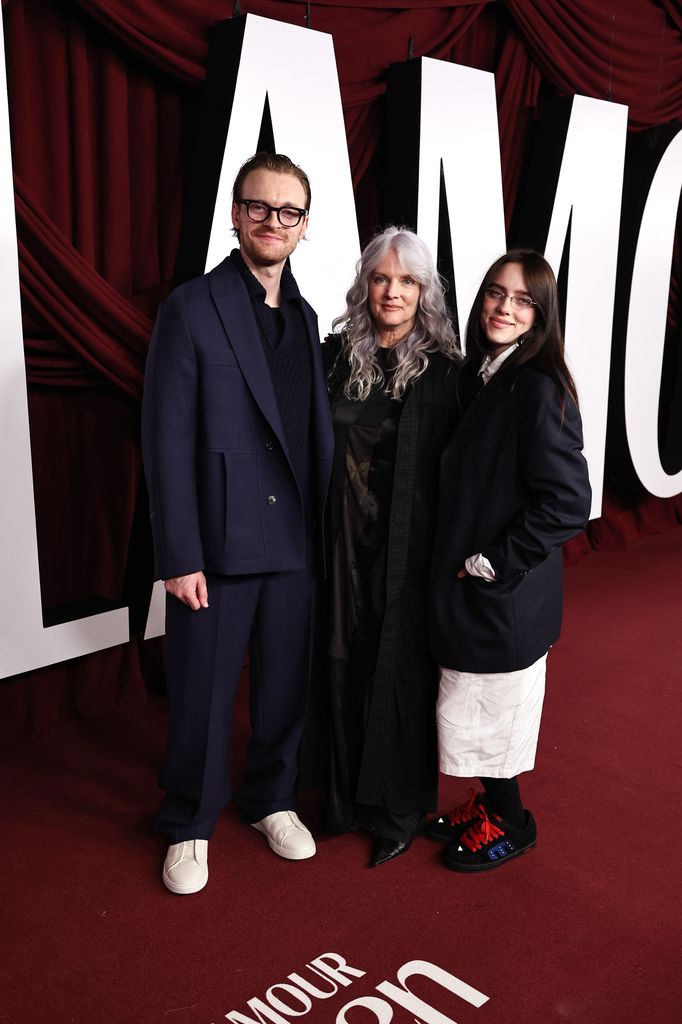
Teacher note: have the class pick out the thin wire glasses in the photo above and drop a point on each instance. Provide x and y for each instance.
(288, 216)
(496, 294)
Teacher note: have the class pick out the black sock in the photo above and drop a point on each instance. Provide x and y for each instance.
(503, 797)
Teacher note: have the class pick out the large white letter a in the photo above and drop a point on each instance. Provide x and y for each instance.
(25, 643)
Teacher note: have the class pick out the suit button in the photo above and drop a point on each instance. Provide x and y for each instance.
(269, 446)
(272, 500)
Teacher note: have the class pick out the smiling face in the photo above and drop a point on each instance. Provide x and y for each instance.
(268, 243)
(393, 297)
(503, 321)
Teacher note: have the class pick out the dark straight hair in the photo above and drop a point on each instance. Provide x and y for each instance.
(543, 343)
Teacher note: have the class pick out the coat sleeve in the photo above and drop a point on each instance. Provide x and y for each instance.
(554, 480)
(169, 443)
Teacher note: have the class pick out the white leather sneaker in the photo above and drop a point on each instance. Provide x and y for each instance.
(287, 836)
(185, 868)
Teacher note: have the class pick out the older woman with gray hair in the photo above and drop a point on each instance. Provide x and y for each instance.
(391, 370)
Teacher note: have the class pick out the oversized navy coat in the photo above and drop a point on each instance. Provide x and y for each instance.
(513, 486)
(223, 495)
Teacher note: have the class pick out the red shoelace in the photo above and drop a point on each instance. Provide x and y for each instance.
(465, 811)
(480, 833)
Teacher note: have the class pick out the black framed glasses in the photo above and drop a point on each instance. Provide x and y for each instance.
(518, 301)
(288, 216)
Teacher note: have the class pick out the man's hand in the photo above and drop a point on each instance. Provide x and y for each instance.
(191, 590)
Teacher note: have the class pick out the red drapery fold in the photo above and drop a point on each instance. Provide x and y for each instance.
(517, 81)
(89, 317)
(673, 9)
(627, 52)
(174, 38)
(362, 62)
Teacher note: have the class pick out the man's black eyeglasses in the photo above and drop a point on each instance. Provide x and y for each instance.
(288, 216)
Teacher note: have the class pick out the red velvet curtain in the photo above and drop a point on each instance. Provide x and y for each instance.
(103, 100)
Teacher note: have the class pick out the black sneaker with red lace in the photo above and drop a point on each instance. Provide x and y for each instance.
(449, 826)
(489, 842)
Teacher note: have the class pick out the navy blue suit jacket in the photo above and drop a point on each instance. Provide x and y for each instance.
(513, 486)
(223, 495)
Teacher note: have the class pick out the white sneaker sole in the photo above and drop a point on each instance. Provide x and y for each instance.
(282, 851)
(183, 890)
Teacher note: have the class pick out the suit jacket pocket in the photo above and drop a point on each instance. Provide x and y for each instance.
(230, 514)
(486, 611)
(230, 509)
(244, 539)
(517, 620)
(213, 501)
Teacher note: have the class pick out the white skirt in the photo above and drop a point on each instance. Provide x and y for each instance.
(488, 725)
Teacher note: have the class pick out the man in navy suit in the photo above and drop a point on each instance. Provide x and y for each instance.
(237, 443)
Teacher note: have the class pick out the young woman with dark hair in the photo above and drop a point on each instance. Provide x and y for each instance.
(513, 488)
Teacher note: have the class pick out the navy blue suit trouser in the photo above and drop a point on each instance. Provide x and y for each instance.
(271, 615)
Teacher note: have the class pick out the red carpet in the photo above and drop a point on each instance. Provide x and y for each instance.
(584, 929)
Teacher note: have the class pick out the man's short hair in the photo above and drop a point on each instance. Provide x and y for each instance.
(277, 162)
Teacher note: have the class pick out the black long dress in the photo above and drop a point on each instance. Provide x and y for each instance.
(382, 681)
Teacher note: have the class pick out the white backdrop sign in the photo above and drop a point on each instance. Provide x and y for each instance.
(295, 69)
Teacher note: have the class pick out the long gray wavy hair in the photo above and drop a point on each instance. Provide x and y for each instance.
(432, 331)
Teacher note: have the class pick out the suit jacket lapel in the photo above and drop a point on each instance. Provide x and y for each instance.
(237, 316)
(236, 313)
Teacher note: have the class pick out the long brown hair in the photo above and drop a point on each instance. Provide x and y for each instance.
(543, 343)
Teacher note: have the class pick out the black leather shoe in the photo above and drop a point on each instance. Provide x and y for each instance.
(387, 849)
